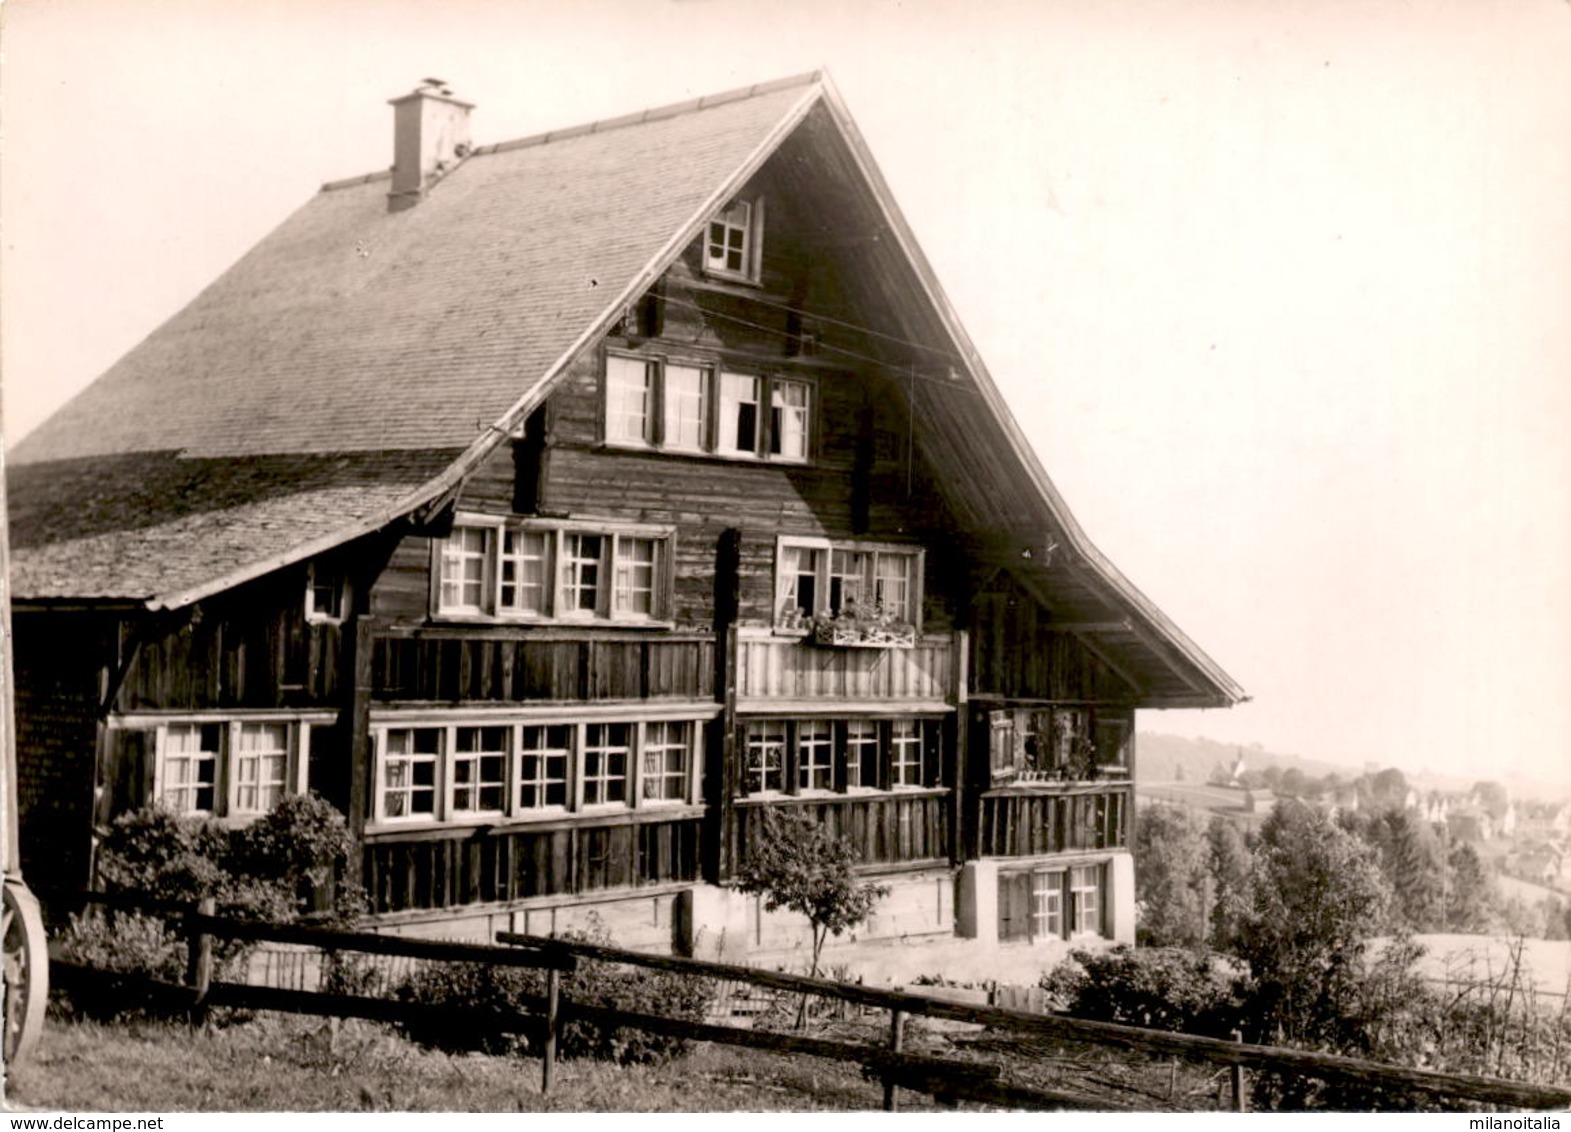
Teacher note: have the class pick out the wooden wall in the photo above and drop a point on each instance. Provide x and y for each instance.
(1016, 654)
(494, 864)
(249, 648)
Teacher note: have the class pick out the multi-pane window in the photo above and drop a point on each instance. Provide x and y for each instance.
(1085, 899)
(869, 584)
(409, 765)
(189, 761)
(607, 750)
(261, 767)
(538, 571)
(581, 554)
(682, 406)
(1051, 903)
(468, 771)
(525, 571)
(765, 757)
(730, 245)
(816, 754)
(1047, 903)
(906, 752)
(686, 408)
(666, 750)
(543, 766)
(788, 419)
(635, 576)
(862, 754)
(629, 397)
(480, 769)
(225, 767)
(465, 556)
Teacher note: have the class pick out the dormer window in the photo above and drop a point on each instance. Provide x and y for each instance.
(731, 249)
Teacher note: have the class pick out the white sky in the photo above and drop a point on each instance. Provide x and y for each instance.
(1279, 291)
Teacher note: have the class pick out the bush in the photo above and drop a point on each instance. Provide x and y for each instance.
(501, 991)
(1157, 988)
(282, 866)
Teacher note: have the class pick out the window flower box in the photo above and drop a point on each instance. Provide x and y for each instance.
(851, 630)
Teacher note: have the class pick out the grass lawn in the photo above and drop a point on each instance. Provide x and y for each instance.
(281, 1063)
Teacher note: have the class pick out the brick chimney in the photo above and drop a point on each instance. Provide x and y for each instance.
(430, 137)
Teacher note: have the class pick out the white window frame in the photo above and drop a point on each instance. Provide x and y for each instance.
(1079, 890)
(876, 554)
(576, 796)
(226, 777)
(756, 734)
(620, 393)
(608, 609)
(458, 755)
(650, 749)
(815, 755)
(744, 217)
(783, 432)
(318, 578)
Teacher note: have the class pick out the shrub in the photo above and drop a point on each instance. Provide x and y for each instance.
(499, 992)
(276, 869)
(1160, 989)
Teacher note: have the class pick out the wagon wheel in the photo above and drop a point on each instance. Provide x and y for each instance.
(26, 972)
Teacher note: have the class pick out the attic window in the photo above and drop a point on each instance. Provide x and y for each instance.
(731, 249)
(324, 593)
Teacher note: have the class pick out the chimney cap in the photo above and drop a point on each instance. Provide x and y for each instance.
(432, 88)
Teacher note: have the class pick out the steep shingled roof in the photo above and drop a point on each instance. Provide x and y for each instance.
(359, 363)
(400, 337)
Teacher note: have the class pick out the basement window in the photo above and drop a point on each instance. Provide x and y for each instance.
(1053, 903)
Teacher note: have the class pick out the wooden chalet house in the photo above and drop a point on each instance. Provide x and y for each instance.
(555, 508)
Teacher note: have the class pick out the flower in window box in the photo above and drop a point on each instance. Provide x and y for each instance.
(855, 625)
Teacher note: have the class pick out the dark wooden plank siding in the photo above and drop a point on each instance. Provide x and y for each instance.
(490, 865)
(1016, 653)
(252, 647)
(890, 829)
(1028, 824)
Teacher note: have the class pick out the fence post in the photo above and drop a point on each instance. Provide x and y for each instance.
(553, 991)
(1240, 1097)
(199, 962)
(897, 1031)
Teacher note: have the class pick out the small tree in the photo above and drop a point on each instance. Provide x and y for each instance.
(1170, 878)
(799, 865)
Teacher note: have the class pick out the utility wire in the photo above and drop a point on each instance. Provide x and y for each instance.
(879, 362)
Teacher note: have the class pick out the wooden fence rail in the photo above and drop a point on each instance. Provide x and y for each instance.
(946, 1079)
(1324, 1066)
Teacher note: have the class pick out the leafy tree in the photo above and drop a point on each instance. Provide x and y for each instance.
(1228, 863)
(1471, 895)
(1493, 797)
(1317, 895)
(799, 865)
(1293, 782)
(1388, 787)
(1410, 859)
(1170, 877)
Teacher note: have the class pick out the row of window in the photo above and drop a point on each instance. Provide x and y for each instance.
(685, 407)
(814, 756)
(818, 578)
(230, 768)
(459, 772)
(536, 571)
(1054, 903)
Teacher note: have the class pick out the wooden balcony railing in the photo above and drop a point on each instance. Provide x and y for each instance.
(794, 669)
(1054, 818)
